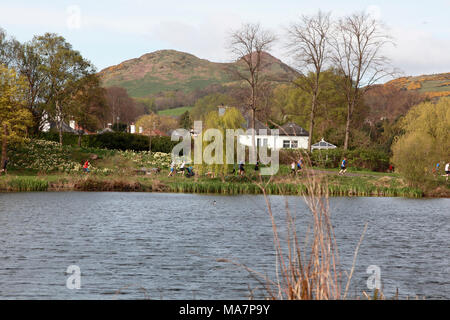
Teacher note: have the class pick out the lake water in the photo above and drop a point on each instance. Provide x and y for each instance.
(155, 245)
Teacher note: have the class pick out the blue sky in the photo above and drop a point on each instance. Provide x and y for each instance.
(109, 32)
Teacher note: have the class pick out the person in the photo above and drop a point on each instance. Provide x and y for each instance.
(182, 167)
(343, 166)
(4, 166)
(190, 172)
(391, 168)
(241, 168)
(172, 169)
(300, 164)
(257, 165)
(447, 170)
(293, 168)
(86, 166)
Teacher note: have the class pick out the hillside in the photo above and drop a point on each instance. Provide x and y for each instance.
(169, 70)
(435, 85)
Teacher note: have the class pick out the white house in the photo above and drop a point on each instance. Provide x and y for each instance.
(291, 136)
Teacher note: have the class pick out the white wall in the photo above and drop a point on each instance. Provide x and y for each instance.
(272, 141)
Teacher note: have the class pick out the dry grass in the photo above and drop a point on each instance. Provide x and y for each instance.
(308, 269)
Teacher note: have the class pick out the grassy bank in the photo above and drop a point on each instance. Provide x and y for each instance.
(45, 166)
(340, 186)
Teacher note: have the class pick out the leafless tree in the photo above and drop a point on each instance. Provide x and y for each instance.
(308, 44)
(358, 41)
(248, 44)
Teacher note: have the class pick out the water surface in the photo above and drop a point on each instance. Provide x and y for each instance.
(171, 246)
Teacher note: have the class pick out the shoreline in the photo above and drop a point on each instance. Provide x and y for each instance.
(195, 185)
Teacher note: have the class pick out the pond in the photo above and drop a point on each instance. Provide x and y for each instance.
(173, 246)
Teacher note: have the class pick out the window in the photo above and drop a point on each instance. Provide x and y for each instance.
(286, 143)
(294, 144)
(265, 142)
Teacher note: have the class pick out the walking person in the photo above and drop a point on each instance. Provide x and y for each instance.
(241, 168)
(343, 166)
(5, 166)
(447, 170)
(293, 168)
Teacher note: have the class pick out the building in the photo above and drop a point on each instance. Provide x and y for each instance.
(291, 136)
(322, 145)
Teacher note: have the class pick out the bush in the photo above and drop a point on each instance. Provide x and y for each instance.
(114, 140)
(425, 141)
(369, 158)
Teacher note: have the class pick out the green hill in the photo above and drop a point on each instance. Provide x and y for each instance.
(170, 70)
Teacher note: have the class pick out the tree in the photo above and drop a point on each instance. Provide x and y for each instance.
(63, 68)
(308, 43)
(231, 119)
(6, 49)
(185, 120)
(425, 141)
(29, 63)
(121, 105)
(249, 44)
(205, 105)
(357, 42)
(14, 116)
(153, 121)
(89, 107)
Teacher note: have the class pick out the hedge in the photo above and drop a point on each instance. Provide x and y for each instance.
(114, 140)
(370, 158)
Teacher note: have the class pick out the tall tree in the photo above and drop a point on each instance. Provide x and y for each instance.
(14, 116)
(249, 44)
(308, 43)
(357, 42)
(63, 68)
(89, 107)
(121, 105)
(29, 63)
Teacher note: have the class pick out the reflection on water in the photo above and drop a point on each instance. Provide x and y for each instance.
(137, 245)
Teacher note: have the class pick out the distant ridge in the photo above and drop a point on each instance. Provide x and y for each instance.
(170, 70)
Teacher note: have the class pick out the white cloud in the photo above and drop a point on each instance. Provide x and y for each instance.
(419, 52)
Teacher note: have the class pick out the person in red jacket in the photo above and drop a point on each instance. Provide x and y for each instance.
(86, 166)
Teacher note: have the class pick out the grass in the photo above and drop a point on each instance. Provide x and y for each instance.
(175, 112)
(25, 184)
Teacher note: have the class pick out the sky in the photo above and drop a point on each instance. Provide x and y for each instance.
(109, 32)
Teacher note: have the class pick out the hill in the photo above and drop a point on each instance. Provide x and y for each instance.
(435, 85)
(170, 70)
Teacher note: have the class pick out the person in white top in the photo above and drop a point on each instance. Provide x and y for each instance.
(447, 170)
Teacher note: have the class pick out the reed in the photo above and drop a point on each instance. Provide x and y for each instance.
(27, 184)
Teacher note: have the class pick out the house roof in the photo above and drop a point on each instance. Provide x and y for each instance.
(258, 124)
(292, 129)
(322, 144)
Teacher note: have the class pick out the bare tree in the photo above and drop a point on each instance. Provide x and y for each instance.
(308, 44)
(248, 44)
(357, 42)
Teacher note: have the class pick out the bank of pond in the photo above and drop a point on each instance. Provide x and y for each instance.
(353, 187)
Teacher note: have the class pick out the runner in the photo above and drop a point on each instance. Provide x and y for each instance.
(172, 169)
(293, 168)
(343, 166)
(86, 166)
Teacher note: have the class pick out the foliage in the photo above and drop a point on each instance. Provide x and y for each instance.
(210, 103)
(153, 121)
(127, 141)
(185, 120)
(425, 141)
(13, 113)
